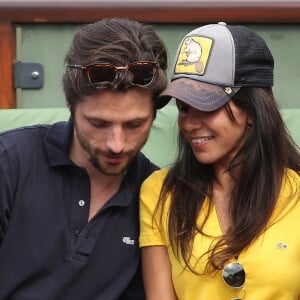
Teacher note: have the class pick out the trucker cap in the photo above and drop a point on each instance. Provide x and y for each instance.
(213, 62)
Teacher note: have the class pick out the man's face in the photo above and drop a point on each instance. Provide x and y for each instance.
(110, 128)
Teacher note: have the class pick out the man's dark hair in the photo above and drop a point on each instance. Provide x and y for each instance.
(118, 42)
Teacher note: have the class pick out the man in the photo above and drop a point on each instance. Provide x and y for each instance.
(69, 191)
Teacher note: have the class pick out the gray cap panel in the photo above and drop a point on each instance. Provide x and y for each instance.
(220, 65)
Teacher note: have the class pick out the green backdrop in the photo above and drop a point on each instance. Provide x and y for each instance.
(48, 43)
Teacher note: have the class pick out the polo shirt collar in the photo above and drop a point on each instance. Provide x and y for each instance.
(129, 186)
(57, 143)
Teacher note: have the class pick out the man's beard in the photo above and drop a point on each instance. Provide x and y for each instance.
(94, 161)
(105, 170)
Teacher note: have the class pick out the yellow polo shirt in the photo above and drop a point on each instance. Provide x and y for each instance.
(271, 262)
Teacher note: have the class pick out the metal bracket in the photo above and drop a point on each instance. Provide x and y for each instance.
(28, 75)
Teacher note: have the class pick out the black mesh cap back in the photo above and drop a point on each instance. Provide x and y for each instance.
(254, 63)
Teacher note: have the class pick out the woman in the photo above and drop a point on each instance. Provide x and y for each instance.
(222, 223)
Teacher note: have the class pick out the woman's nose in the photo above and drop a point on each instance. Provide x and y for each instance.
(190, 121)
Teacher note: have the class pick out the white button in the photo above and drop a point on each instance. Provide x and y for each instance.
(222, 23)
(81, 202)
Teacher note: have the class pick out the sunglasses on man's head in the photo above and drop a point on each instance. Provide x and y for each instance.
(143, 72)
(234, 275)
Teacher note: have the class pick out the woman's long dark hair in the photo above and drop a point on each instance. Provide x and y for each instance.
(268, 150)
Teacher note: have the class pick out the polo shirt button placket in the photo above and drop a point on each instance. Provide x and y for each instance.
(81, 203)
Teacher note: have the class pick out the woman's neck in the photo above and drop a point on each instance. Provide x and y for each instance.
(221, 196)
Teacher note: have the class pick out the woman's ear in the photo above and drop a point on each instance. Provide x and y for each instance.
(249, 122)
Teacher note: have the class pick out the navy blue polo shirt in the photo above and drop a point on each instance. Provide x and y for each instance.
(48, 249)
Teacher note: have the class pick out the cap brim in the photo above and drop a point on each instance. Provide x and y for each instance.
(200, 95)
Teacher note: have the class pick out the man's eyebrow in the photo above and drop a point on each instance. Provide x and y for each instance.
(101, 119)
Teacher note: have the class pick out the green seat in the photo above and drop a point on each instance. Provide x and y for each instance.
(161, 145)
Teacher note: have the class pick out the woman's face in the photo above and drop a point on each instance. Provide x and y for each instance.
(214, 137)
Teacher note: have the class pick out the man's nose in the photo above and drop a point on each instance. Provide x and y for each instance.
(116, 140)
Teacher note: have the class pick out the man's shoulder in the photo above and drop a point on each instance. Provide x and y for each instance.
(20, 131)
(141, 168)
(25, 137)
(145, 164)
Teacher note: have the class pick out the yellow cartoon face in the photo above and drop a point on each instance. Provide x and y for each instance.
(193, 55)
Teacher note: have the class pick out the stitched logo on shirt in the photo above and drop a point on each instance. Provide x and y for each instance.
(127, 240)
(281, 246)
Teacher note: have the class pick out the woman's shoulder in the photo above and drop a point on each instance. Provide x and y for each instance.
(157, 176)
(288, 202)
(292, 178)
(290, 189)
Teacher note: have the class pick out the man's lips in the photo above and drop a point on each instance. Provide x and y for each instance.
(114, 159)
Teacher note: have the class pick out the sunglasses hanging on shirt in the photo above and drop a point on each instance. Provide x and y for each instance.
(234, 276)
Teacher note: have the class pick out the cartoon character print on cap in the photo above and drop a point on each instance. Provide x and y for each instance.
(193, 55)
